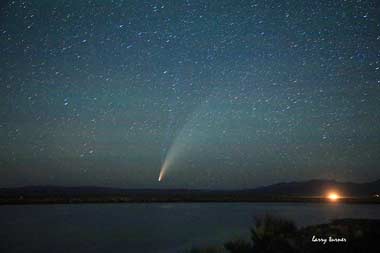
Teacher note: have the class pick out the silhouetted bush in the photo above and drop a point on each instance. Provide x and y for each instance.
(278, 235)
(206, 250)
(238, 246)
(273, 234)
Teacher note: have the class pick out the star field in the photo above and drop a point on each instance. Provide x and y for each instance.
(257, 92)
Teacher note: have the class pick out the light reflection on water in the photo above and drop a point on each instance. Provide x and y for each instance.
(167, 227)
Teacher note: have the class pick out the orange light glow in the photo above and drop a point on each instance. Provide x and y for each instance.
(333, 196)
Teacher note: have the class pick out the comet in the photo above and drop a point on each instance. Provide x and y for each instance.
(170, 157)
(162, 173)
(181, 146)
(189, 136)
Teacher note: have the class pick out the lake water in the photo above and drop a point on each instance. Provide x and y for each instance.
(154, 227)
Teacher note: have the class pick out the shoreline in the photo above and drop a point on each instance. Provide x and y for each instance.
(178, 199)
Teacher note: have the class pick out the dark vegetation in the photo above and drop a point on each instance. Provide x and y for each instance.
(277, 235)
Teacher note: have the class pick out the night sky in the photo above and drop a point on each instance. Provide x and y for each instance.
(232, 94)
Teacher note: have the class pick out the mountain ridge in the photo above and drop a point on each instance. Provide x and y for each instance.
(312, 187)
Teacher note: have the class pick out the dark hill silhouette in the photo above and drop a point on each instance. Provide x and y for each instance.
(311, 188)
(319, 187)
(80, 191)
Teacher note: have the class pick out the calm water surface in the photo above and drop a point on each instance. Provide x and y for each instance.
(156, 228)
